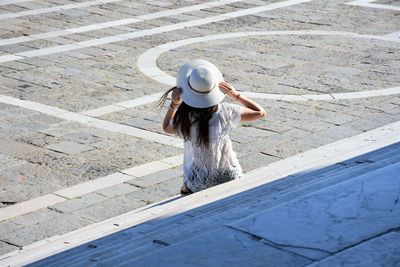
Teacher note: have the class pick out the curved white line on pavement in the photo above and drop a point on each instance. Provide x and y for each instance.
(147, 63)
(146, 32)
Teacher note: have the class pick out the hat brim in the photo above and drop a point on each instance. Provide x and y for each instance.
(195, 99)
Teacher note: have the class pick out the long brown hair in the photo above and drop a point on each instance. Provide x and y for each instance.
(186, 116)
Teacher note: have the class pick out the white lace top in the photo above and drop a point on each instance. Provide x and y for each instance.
(203, 168)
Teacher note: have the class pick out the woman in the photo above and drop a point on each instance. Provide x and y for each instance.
(197, 114)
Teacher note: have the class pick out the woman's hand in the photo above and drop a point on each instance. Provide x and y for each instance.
(176, 96)
(228, 89)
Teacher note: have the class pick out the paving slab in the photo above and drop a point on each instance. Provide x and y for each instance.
(110, 208)
(117, 190)
(9, 161)
(159, 191)
(383, 250)
(78, 203)
(35, 217)
(8, 227)
(6, 247)
(225, 243)
(82, 138)
(158, 177)
(54, 226)
(329, 220)
(69, 147)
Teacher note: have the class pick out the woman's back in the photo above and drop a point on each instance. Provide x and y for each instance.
(217, 163)
(198, 115)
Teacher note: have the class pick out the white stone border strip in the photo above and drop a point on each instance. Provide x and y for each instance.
(147, 32)
(29, 206)
(120, 177)
(327, 97)
(88, 187)
(101, 124)
(12, 2)
(114, 23)
(147, 63)
(55, 9)
(140, 101)
(368, 3)
(393, 35)
(317, 158)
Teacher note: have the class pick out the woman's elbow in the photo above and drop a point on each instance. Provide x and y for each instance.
(169, 130)
(262, 113)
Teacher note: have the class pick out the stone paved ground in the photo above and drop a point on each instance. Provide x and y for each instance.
(40, 153)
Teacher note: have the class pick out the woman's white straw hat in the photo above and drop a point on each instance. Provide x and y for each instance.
(200, 80)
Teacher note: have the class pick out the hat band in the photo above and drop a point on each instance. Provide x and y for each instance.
(200, 92)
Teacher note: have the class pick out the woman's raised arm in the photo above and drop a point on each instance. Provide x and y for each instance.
(252, 110)
(175, 102)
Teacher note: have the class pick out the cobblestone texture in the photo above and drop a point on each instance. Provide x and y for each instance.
(40, 160)
(40, 154)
